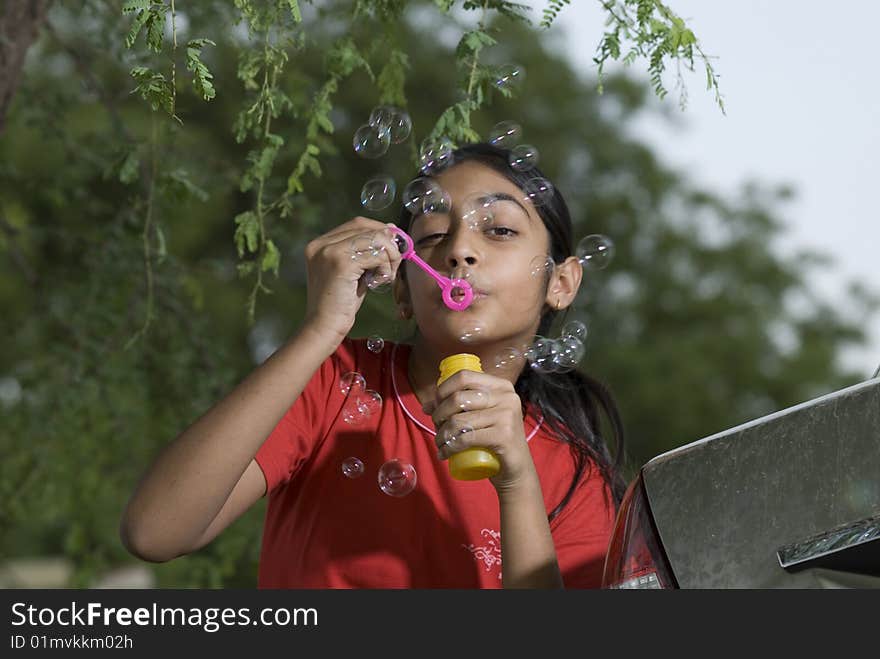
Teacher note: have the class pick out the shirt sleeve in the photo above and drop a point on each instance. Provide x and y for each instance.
(305, 424)
(582, 531)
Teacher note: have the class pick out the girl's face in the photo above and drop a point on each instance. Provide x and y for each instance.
(503, 258)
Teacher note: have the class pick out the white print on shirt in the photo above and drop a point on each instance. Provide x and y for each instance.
(490, 553)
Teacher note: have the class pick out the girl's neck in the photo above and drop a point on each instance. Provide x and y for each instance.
(424, 366)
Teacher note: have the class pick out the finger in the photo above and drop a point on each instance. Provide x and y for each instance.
(367, 247)
(470, 380)
(356, 252)
(357, 224)
(455, 437)
(464, 400)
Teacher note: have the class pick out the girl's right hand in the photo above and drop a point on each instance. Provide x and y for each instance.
(337, 265)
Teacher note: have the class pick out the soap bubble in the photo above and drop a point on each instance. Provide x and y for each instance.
(452, 432)
(360, 407)
(539, 191)
(509, 77)
(575, 329)
(505, 134)
(507, 357)
(365, 246)
(422, 196)
(435, 156)
(473, 399)
(369, 403)
(595, 251)
(375, 343)
(570, 353)
(352, 467)
(352, 382)
(371, 142)
(472, 333)
(541, 355)
(377, 281)
(378, 193)
(392, 119)
(478, 211)
(542, 266)
(523, 157)
(397, 478)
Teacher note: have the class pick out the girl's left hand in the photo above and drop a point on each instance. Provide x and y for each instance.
(492, 410)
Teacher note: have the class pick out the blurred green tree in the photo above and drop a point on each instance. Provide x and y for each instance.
(124, 314)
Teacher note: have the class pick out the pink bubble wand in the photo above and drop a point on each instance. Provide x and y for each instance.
(446, 284)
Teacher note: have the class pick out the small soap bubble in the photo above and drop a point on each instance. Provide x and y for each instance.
(472, 333)
(394, 120)
(375, 343)
(539, 191)
(377, 281)
(570, 353)
(360, 407)
(366, 246)
(378, 193)
(369, 403)
(541, 355)
(473, 399)
(595, 251)
(465, 274)
(575, 329)
(435, 156)
(507, 358)
(542, 266)
(352, 467)
(371, 142)
(397, 478)
(523, 157)
(352, 382)
(505, 134)
(351, 413)
(453, 432)
(424, 195)
(478, 211)
(509, 77)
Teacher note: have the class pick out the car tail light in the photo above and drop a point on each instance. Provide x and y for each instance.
(635, 557)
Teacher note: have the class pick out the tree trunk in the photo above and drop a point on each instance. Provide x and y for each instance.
(20, 21)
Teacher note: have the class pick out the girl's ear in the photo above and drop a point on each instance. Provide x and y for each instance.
(564, 283)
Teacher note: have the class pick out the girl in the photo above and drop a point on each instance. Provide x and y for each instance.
(288, 431)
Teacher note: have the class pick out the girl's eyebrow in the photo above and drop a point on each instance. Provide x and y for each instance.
(503, 196)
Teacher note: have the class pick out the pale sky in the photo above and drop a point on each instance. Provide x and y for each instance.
(800, 84)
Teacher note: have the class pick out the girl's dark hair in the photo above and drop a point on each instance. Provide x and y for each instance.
(571, 401)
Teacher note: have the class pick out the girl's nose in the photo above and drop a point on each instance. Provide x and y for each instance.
(461, 251)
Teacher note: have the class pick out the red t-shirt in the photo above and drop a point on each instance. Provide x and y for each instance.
(326, 530)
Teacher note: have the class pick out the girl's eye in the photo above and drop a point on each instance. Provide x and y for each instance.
(430, 239)
(501, 232)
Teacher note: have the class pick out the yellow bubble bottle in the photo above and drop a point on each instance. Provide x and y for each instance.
(471, 464)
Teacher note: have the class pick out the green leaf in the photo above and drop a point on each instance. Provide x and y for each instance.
(130, 6)
(161, 250)
(271, 258)
(247, 232)
(294, 10)
(128, 172)
(392, 79)
(136, 26)
(473, 41)
(201, 75)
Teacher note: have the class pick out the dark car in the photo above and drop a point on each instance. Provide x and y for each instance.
(789, 500)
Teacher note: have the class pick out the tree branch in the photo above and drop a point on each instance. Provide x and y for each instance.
(19, 24)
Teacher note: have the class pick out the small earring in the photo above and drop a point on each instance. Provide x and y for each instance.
(403, 312)
(557, 304)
